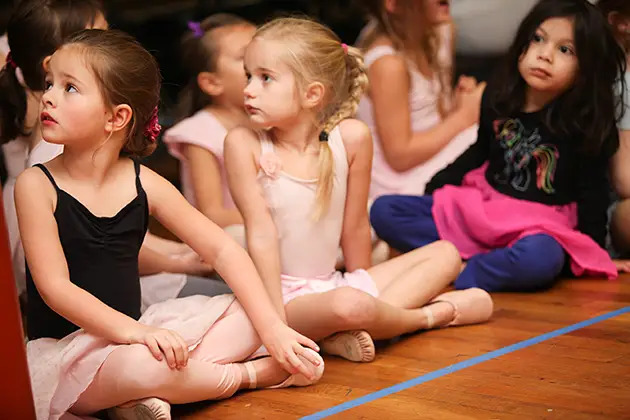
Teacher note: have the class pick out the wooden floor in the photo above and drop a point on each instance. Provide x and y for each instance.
(584, 374)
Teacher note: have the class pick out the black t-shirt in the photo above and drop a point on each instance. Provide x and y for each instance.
(528, 162)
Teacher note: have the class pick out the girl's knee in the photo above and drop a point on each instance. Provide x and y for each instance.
(352, 308)
(538, 256)
(448, 254)
(135, 365)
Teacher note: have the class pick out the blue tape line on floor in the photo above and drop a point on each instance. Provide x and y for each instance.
(462, 365)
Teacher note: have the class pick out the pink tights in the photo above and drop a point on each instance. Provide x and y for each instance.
(130, 372)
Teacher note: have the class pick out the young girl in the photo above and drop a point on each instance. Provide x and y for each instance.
(618, 14)
(83, 217)
(211, 104)
(36, 29)
(534, 185)
(417, 125)
(301, 183)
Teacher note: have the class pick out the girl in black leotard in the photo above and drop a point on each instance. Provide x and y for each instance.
(82, 218)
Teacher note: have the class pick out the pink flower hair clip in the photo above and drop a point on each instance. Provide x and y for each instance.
(153, 127)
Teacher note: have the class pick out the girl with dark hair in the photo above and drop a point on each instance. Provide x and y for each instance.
(83, 217)
(210, 105)
(35, 29)
(533, 188)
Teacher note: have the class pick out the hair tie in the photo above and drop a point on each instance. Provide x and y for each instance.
(153, 128)
(323, 136)
(345, 47)
(196, 29)
(10, 62)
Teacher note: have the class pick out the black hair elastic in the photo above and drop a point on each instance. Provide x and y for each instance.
(323, 136)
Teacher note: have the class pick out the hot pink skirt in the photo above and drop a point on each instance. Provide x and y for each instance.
(477, 219)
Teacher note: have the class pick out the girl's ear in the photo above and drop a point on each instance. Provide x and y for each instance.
(210, 83)
(313, 95)
(119, 118)
(46, 62)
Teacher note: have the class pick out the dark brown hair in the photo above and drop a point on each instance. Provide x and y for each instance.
(127, 74)
(36, 29)
(200, 52)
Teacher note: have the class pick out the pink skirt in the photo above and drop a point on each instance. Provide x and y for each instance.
(477, 219)
(293, 287)
(61, 370)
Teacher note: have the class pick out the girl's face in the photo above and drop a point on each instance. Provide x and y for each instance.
(232, 42)
(550, 63)
(437, 12)
(72, 109)
(271, 94)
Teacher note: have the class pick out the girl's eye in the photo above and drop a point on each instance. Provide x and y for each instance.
(537, 38)
(266, 78)
(566, 50)
(248, 76)
(70, 88)
(48, 85)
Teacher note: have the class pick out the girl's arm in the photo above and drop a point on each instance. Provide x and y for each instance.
(151, 261)
(620, 166)
(593, 197)
(163, 245)
(233, 264)
(389, 92)
(205, 175)
(356, 241)
(35, 201)
(241, 145)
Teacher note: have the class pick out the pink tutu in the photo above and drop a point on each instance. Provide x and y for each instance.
(293, 287)
(61, 370)
(477, 219)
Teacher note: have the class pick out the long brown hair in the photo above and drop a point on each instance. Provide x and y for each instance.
(315, 53)
(412, 35)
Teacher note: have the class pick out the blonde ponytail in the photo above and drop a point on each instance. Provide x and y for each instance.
(315, 53)
(355, 84)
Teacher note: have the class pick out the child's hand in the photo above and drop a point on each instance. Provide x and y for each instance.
(468, 103)
(623, 266)
(162, 343)
(466, 84)
(284, 344)
(191, 263)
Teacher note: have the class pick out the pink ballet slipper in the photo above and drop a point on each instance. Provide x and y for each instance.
(470, 306)
(145, 409)
(297, 379)
(356, 345)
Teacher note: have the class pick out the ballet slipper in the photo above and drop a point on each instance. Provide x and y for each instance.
(145, 409)
(470, 306)
(297, 379)
(356, 345)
